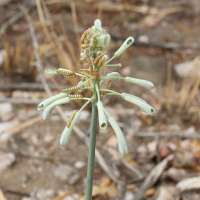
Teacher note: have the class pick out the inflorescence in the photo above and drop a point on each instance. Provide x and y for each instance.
(95, 43)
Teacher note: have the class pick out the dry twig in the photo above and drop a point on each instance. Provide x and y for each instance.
(121, 190)
(131, 167)
(28, 86)
(21, 101)
(167, 134)
(152, 177)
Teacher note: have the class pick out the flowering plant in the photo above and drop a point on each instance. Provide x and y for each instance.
(95, 44)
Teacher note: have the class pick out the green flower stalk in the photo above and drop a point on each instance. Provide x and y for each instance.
(95, 43)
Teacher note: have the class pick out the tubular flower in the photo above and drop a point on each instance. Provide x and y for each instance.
(95, 43)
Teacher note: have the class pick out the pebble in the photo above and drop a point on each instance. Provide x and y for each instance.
(66, 173)
(79, 164)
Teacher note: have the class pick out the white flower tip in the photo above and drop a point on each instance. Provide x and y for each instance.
(141, 104)
(128, 42)
(97, 23)
(40, 107)
(153, 111)
(102, 118)
(123, 149)
(122, 145)
(65, 136)
(120, 65)
(143, 83)
(47, 112)
(49, 71)
(105, 58)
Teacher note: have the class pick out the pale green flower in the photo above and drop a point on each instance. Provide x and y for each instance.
(67, 131)
(48, 110)
(120, 137)
(102, 118)
(143, 83)
(96, 42)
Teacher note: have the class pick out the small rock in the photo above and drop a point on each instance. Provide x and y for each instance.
(129, 196)
(79, 164)
(6, 159)
(26, 198)
(41, 194)
(174, 127)
(50, 193)
(24, 178)
(48, 138)
(5, 126)
(69, 198)
(152, 146)
(164, 194)
(6, 110)
(66, 173)
(143, 38)
(185, 68)
(126, 71)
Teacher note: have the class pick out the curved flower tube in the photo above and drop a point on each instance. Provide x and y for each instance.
(50, 100)
(143, 83)
(122, 145)
(127, 43)
(102, 117)
(48, 110)
(64, 139)
(143, 105)
(138, 98)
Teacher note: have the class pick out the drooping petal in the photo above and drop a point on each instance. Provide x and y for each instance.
(50, 100)
(102, 117)
(64, 139)
(143, 105)
(143, 83)
(138, 98)
(48, 110)
(122, 145)
(127, 43)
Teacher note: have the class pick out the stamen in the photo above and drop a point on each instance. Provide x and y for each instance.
(83, 37)
(73, 88)
(100, 56)
(86, 74)
(71, 118)
(108, 88)
(75, 96)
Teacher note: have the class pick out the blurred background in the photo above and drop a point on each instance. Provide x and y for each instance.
(164, 149)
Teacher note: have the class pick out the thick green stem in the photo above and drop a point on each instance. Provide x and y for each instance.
(91, 156)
